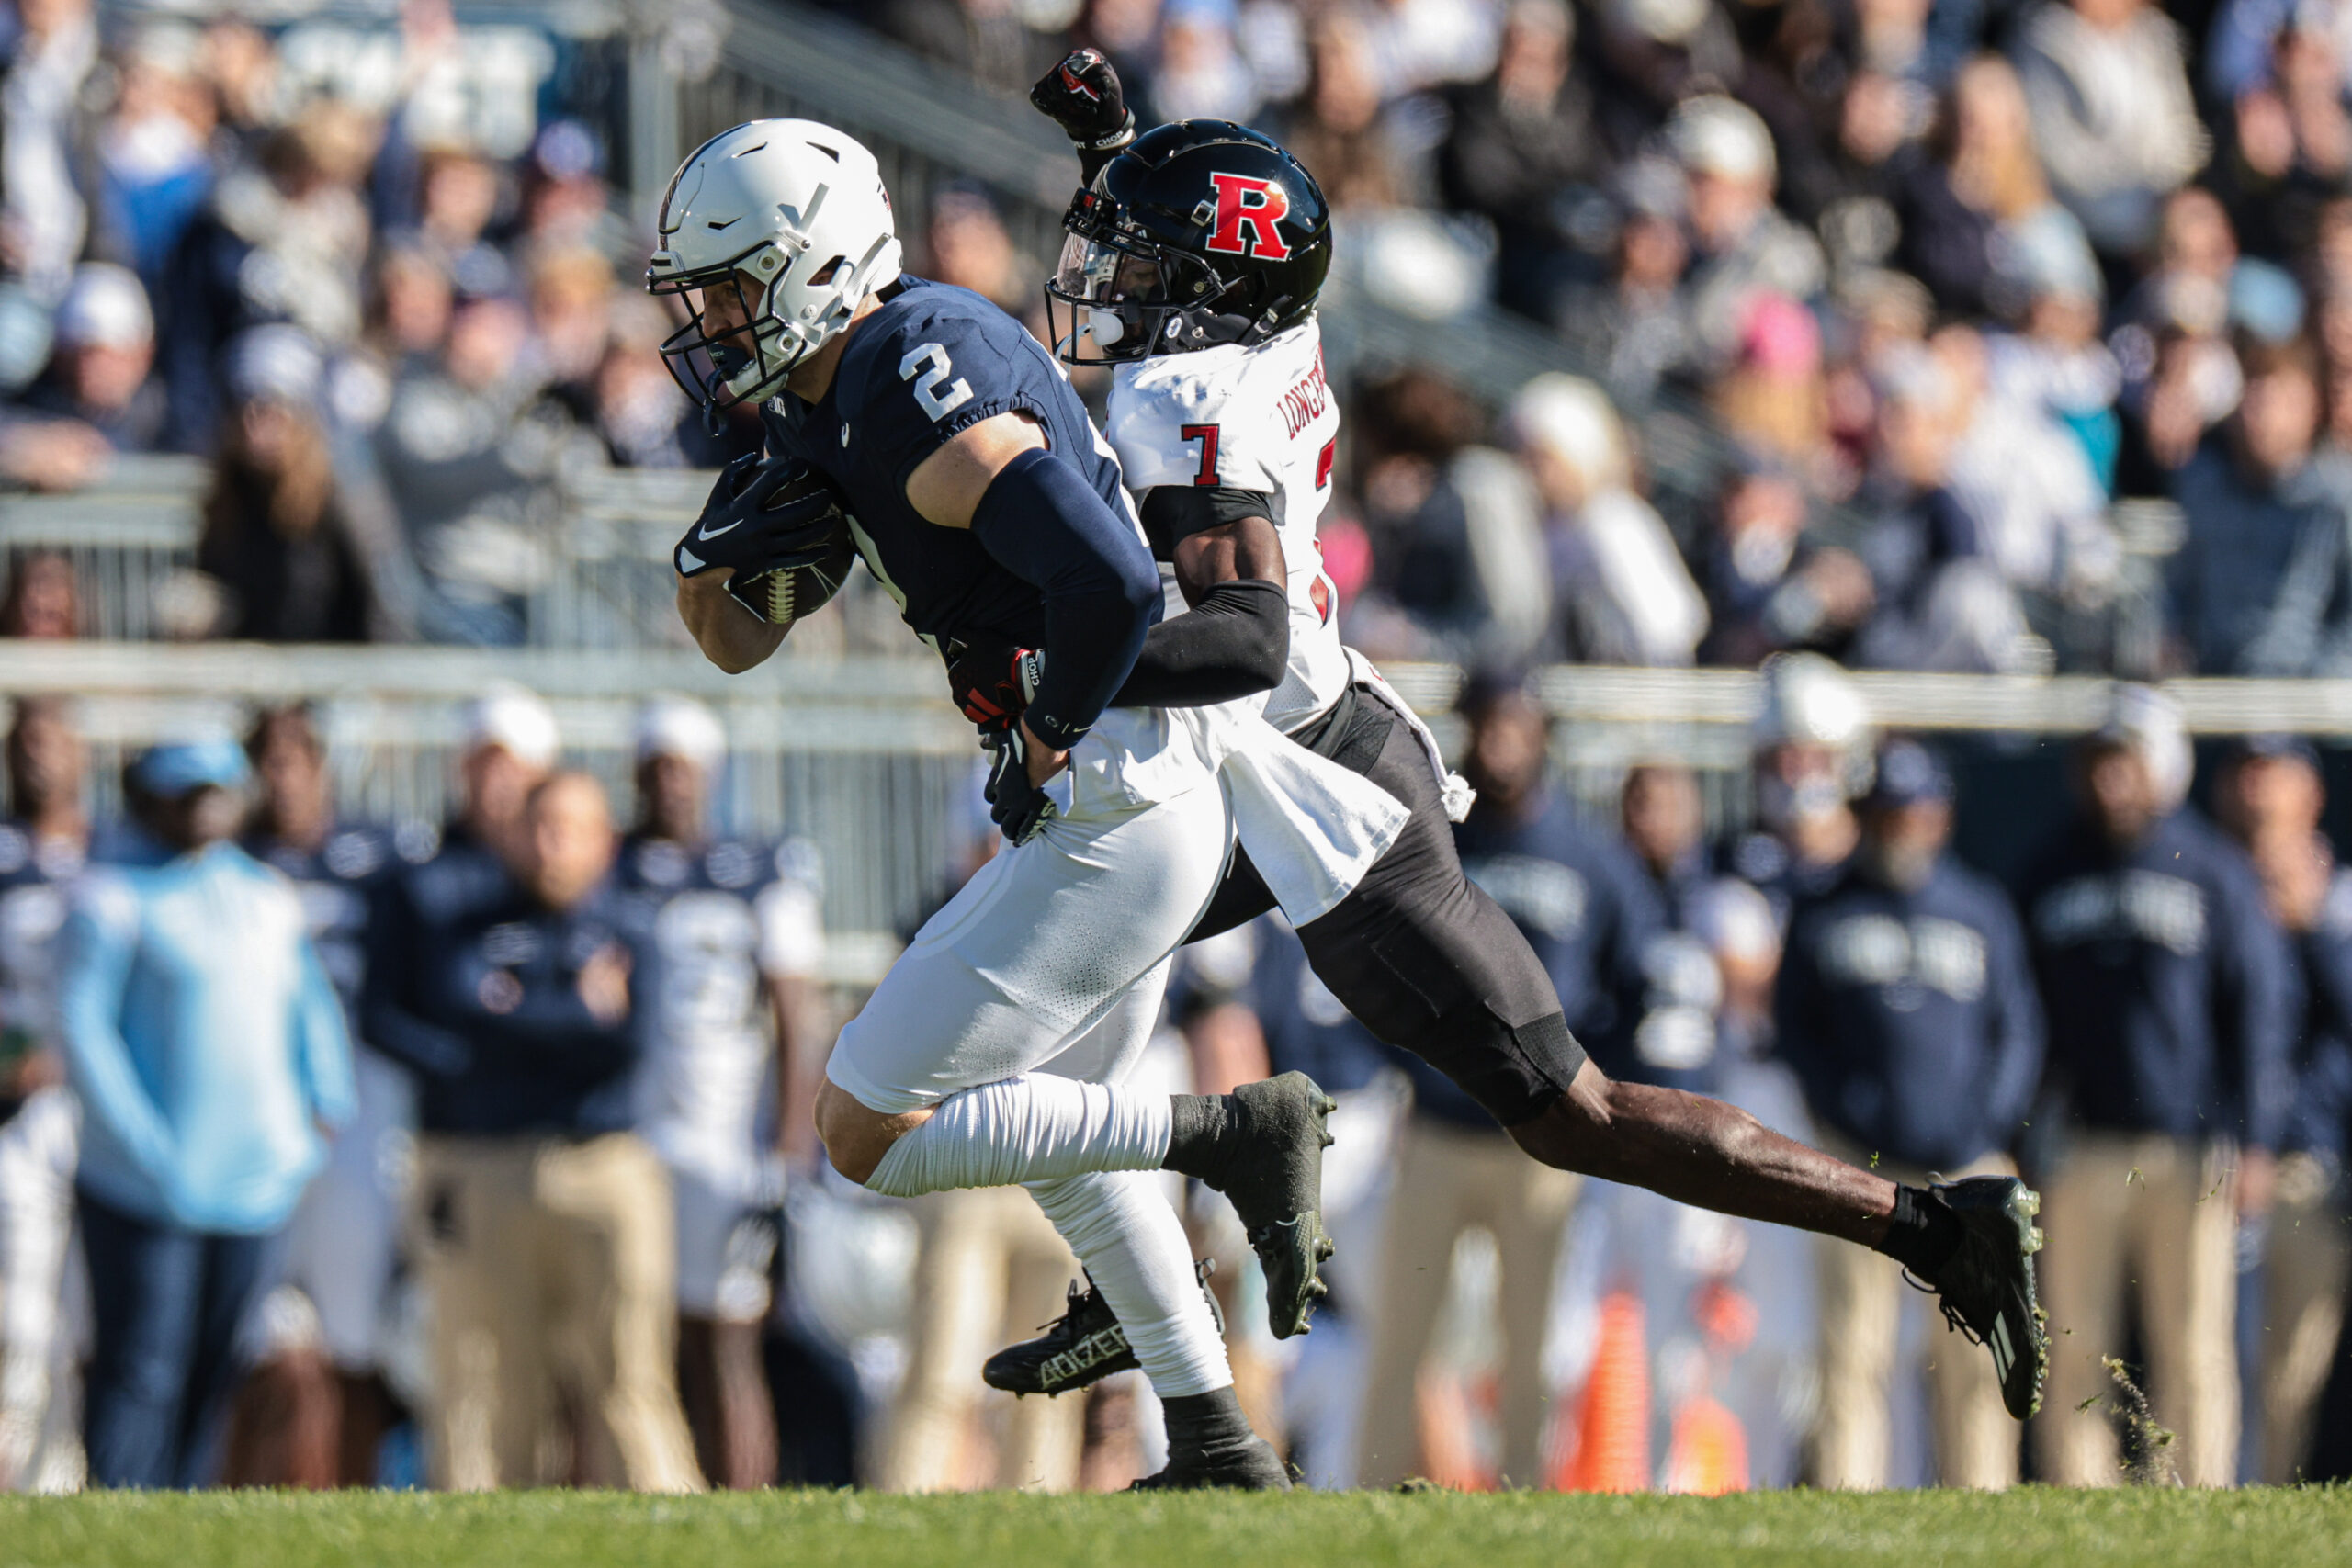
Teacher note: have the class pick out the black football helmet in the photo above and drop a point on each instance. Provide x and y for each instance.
(1201, 233)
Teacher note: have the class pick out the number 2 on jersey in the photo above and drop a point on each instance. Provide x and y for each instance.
(931, 360)
(1206, 435)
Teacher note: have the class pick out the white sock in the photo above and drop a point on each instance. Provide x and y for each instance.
(1121, 1228)
(1035, 1128)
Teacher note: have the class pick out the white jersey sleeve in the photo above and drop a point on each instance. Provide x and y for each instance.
(1260, 419)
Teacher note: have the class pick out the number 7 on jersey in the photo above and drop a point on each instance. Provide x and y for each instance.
(1206, 435)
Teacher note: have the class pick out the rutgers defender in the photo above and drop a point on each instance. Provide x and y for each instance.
(982, 499)
(1195, 255)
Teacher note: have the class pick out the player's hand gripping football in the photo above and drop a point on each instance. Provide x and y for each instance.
(764, 514)
(1083, 96)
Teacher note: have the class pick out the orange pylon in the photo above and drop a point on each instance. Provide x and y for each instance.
(1612, 1450)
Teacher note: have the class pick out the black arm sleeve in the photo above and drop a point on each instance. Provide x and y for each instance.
(1043, 523)
(1173, 513)
(1234, 643)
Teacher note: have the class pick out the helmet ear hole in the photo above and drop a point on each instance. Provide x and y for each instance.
(824, 274)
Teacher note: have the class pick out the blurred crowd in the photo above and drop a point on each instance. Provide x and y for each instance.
(1954, 278)
(335, 1152)
(389, 340)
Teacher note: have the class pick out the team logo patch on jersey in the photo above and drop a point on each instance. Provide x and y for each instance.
(1252, 205)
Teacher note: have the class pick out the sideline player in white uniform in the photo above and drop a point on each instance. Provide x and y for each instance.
(1195, 256)
(741, 934)
(979, 494)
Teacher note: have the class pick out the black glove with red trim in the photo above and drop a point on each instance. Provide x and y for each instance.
(1083, 96)
(992, 683)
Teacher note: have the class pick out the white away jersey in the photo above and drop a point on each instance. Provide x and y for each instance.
(1257, 419)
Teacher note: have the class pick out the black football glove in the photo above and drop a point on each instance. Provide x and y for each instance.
(992, 683)
(1083, 96)
(751, 527)
(1017, 806)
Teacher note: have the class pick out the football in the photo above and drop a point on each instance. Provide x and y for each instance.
(784, 596)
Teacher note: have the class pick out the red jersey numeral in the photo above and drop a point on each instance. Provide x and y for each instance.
(1324, 460)
(1206, 435)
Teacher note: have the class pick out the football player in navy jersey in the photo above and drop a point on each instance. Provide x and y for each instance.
(741, 934)
(981, 498)
(43, 845)
(342, 1248)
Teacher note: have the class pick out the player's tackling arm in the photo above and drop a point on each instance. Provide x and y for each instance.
(1234, 641)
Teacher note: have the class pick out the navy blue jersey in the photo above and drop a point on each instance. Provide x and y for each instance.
(1910, 1016)
(1584, 905)
(932, 362)
(34, 875)
(338, 883)
(2169, 992)
(2321, 1120)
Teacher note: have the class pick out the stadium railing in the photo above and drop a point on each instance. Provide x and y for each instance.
(864, 757)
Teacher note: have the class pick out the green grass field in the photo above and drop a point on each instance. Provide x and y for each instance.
(2050, 1530)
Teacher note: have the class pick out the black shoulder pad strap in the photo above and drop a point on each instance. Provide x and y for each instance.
(1173, 513)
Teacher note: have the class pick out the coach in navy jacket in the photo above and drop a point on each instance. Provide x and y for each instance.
(2172, 1008)
(1907, 1008)
(1906, 1002)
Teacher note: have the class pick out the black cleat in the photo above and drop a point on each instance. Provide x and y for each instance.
(1250, 1464)
(1083, 1346)
(1986, 1287)
(1275, 1182)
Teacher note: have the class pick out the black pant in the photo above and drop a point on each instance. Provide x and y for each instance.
(1419, 955)
(168, 1304)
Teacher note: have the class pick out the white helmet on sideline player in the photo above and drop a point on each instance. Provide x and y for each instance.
(1812, 706)
(791, 215)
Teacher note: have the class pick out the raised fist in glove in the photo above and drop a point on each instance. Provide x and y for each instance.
(993, 681)
(1083, 96)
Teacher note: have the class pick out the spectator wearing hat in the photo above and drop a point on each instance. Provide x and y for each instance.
(1743, 244)
(2269, 798)
(208, 1050)
(1812, 750)
(2108, 85)
(98, 372)
(279, 537)
(1906, 1007)
(542, 1224)
(2170, 1000)
(729, 1082)
(2263, 583)
(1621, 593)
(1632, 325)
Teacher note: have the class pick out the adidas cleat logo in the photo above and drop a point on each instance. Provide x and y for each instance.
(1102, 1345)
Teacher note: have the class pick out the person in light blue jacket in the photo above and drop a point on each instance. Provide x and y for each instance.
(210, 1053)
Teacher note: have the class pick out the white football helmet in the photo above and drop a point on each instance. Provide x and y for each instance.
(791, 215)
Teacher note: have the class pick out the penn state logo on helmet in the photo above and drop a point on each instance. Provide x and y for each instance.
(1200, 234)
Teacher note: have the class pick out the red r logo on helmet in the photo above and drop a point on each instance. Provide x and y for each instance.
(1254, 205)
